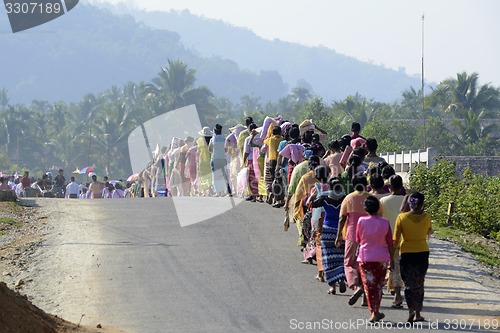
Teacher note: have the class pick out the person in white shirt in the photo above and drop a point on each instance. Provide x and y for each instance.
(118, 192)
(390, 206)
(85, 193)
(72, 189)
(107, 190)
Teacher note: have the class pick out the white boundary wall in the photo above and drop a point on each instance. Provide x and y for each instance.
(403, 161)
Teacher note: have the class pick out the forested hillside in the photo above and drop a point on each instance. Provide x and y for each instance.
(90, 49)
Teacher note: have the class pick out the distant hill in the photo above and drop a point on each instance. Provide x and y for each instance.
(331, 75)
(90, 49)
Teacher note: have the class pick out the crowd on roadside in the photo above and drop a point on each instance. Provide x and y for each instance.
(58, 187)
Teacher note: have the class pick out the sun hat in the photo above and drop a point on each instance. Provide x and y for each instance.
(205, 131)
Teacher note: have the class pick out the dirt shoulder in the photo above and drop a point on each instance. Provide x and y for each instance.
(21, 234)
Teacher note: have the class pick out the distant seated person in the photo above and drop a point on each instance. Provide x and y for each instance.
(25, 181)
(85, 193)
(4, 184)
(118, 192)
(49, 180)
(43, 184)
(107, 190)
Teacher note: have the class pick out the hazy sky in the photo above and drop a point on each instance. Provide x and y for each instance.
(459, 35)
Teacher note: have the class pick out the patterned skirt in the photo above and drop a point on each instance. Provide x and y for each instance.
(372, 277)
(331, 256)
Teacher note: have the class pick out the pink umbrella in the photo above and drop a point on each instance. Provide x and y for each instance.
(133, 178)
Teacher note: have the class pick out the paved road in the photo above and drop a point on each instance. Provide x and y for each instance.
(129, 264)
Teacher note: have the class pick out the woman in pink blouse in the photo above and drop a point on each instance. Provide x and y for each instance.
(374, 236)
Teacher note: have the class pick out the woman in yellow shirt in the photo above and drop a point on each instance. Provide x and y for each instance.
(412, 229)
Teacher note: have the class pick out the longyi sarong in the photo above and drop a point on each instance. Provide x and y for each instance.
(373, 276)
(331, 256)
(413, 270)
(351, 265)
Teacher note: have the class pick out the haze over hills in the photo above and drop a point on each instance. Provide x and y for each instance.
(331, 75)
(91, 49)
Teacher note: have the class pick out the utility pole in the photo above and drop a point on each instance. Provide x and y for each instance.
(423, 85)
(90, 137)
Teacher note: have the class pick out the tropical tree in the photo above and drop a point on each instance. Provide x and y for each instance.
(112, 127)
(4, 99)
(174, 88)
(18, 134)
(469, 105)
(355, 109)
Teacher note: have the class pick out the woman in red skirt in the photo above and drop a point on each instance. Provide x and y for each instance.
(376, 249)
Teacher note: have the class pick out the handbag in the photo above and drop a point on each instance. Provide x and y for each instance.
(242, 182)
(286, 223)
(309, 251)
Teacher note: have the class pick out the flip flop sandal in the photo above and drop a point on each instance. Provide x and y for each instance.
(378, 318)
(397, 306)
(320, 279)
(354, 298)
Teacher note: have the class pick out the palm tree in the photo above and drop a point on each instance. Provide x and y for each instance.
(356, 109)
(4, 99)
(112, 128)
(174, 88)
(463, 94)
(468, 104)
(19, 134)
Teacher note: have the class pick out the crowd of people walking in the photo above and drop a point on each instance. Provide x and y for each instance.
(354, 219)
(353, 215)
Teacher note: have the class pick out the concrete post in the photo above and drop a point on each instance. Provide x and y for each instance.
(431, 156)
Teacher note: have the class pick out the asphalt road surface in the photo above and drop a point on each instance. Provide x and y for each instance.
(130, 265)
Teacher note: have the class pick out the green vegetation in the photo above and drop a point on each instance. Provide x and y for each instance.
(9, 221)
(475, 220)
(474, 197)
(45, 136)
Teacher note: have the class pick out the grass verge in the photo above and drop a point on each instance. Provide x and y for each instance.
(9, 221)
(485, 250)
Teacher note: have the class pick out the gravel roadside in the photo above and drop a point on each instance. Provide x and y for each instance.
(24, 271)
